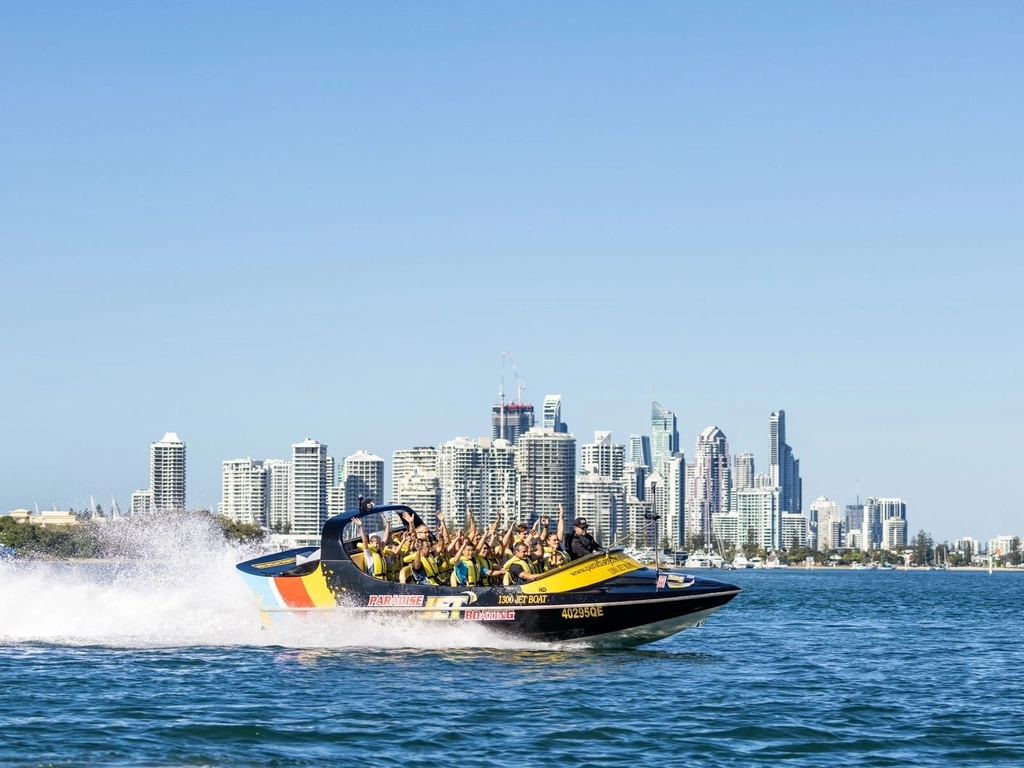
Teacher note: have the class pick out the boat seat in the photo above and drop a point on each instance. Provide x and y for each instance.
(357, 558)
(405, 575)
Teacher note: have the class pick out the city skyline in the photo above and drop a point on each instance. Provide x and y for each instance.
(798, 205)
(583, 458)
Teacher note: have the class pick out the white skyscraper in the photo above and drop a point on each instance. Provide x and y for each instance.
(823, 517)
(640, 450)
(795, 530)
(743, 471)
(875, 534)
(407, 461)
(553, 414)
(664, 435)
(602, 501)
(421, 491)
(478, 475)
(546, 469)
(310, 483)
(603, 457)
(712, 482)
(499, 481)
(673, 493)
(760, 517)
(142, 502)
(279, 494)
(363, 476)
(245, 491)
(460, 471)
(167, 473)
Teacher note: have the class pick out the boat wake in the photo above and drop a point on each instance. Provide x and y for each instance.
(174, 584)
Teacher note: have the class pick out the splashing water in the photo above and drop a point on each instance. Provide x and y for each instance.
(173, 583)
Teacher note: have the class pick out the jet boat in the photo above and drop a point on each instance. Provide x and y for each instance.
(605, 598)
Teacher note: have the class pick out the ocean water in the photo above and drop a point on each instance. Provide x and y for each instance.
(166, 663)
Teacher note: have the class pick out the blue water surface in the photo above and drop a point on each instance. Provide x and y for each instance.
(804, 668)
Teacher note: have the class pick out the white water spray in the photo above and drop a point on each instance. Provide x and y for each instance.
(172, 583)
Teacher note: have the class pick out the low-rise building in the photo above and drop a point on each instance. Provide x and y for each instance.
(47, 519)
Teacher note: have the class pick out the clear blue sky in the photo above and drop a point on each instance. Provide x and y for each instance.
(250, 223)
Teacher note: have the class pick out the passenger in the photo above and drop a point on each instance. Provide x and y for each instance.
(556, 559)
(465, 570)
(519, 568)
(373, 561)
(444, 570)
(581, 543)
(537, 557)
(424, 564)
(550, 544)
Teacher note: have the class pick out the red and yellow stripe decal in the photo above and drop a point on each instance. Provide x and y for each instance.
(308, 591)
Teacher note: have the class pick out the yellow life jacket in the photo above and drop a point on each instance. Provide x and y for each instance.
(484, 563)
(527, 566)
(375, 565)
(429, 565)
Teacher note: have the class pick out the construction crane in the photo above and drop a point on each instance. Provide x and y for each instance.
(520, 381)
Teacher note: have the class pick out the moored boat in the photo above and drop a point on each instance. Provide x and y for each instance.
(606, 598)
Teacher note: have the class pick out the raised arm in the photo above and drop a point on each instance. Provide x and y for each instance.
(362, 532)
(561, 524)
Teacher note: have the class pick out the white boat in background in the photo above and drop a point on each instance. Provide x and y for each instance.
(698, 560)
(741, 561)
(756, 562)
(774, 562)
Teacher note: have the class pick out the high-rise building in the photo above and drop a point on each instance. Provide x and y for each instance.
(894, 533)
(478, 475)
(517, 419)
(824, 521)
(310, 484)
(639, 527)
(142, 502)
(167, 473)
(783, 468)
(499, 481)
(712, 482)
(363, 476)
(603, 457)
(406, 461)
(279, 494)
(420, 490)
(640, 450)
(664, 435)
(245, 491)
(460, 472)
(553, 414)
(673, 499)
(760, 517)
(876, 512)
(633, 477)
(854, 516)
(546, 469)
(602, 501)
(743, 471)
(795, 530)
